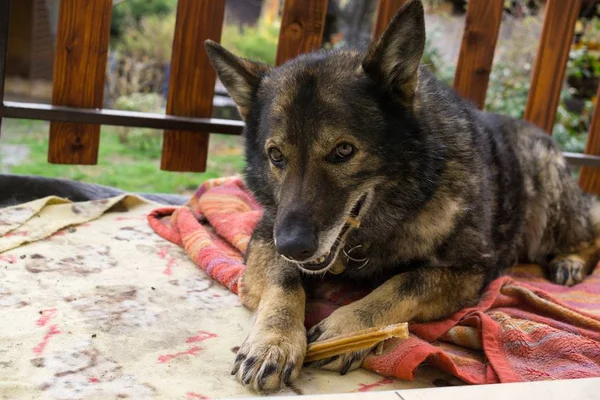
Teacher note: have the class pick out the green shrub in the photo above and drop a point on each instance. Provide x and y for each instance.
(143, 102)
(139, 58)
(145, 143)
(129, 13)
(150, 40)
(258, 43)
(433, 61)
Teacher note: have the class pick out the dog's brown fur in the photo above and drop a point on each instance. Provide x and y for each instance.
(447, 196)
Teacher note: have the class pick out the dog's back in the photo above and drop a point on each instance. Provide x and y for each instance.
(559, 218)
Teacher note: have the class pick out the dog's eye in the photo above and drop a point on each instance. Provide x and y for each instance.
(343, 152)
(276, 156)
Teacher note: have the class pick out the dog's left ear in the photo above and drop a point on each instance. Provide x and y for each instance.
(393, 61)
(240, 77)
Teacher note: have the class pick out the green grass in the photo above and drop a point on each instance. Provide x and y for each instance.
(133, 166)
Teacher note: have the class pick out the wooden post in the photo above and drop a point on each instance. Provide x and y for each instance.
(192, 82)
(270, 11)
(551, 62)
(4, 14)
(302, 25)
(477, 49)
(385, 12)
(589, 177)
(79, 72)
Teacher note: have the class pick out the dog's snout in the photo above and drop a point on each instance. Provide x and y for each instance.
(297, 242)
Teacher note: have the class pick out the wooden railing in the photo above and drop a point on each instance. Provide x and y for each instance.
(82, 45)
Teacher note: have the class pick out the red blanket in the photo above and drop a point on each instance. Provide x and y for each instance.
(523, 329)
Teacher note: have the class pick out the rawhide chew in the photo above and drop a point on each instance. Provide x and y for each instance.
(353, 222)
(357, 341)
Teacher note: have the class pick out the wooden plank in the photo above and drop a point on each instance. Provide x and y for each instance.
(47, 112)
(551, 62)
(581, 160)
(589, 178)
(192, 82)
(386, 10)
(79, 71)
(135, 119)
(476, 56)
(302, 24)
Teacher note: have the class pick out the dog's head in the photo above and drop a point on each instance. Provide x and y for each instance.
(318, 129)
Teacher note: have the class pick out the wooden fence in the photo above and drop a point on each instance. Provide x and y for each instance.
(82, 46)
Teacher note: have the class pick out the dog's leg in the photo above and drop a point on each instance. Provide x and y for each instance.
(570, 269)
(273, 353)
(424, 295)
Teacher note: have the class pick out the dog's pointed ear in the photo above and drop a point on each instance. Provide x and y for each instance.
(393, 60)
(240, 77)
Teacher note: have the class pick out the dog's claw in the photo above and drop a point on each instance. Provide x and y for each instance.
(321, 363)
(246, 376)
(268, 370)
(314, 334)
(237, 363)
(347, 366)
(287, 375)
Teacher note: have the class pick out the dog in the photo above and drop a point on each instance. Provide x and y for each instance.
(366, 164)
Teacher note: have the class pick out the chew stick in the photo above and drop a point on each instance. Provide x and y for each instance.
(353, 222)
(357, 341)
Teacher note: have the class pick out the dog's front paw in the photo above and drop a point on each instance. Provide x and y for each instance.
(343, 321)
(270, 358)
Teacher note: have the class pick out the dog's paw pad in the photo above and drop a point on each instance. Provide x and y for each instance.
(567, 270)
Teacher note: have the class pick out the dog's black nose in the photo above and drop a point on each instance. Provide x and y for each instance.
(297, 242)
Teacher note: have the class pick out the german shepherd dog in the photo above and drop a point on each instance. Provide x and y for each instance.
(447, 196)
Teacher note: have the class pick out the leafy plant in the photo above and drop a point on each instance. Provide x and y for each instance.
(139, 58)
(432, 59)
(258, 42)
(129, 13)
(151, 39)
(144, 142)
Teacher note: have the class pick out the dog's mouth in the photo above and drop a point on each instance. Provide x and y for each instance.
(325, 261)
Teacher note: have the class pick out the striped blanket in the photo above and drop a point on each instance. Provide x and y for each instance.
(523, 329)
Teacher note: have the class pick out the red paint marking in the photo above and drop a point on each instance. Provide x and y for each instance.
(9, 258)
(192, 395)
(365, 388)
(163, 252)
(66, 230)
(46, 316)
(93, 380)
(169, 268)
(171, 261)
(216, 295)
(130, 218)
(13, 233)
(193, 351)
(39, 349)
(201, 337)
